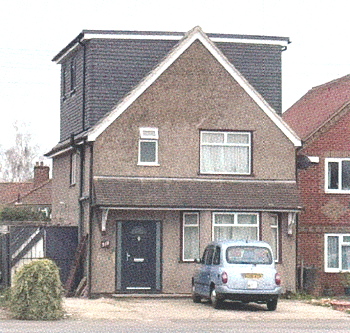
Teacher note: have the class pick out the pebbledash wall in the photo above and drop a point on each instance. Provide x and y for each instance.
(176, 275)
(324, 213)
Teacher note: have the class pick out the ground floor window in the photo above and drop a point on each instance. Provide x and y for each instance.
(190, 230)
(237, 226)
(337, 252)
(275, 236)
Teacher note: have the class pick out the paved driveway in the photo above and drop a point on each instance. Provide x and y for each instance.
(149, 310)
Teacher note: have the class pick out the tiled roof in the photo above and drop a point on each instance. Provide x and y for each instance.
(9, 192)
(195, 194)
(40, 195)
(317, 106)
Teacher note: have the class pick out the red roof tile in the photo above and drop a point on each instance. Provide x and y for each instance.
(317, 106)
(9, 192)
(40, 195)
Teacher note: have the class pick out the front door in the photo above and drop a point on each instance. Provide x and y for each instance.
(139, 256)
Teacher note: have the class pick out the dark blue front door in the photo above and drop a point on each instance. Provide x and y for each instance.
(138, 256)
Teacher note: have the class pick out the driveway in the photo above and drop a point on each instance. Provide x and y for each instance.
(149, 310)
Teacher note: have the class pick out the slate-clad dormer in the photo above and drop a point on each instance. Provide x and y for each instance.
(98, 68)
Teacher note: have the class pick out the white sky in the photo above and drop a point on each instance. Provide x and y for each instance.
(34, 31)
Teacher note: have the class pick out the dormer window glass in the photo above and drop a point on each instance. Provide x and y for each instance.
(148, 146)
(73, 75)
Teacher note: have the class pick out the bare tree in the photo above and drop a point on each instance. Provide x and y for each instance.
(17, 162)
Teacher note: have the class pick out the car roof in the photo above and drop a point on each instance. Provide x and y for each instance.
(227, 243)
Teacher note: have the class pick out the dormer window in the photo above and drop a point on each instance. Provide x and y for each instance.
(148, 146)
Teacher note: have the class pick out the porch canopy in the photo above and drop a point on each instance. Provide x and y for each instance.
(195, 194)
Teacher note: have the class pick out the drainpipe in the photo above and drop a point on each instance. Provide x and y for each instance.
(91, 214)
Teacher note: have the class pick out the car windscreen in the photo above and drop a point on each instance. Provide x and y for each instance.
(248, 255)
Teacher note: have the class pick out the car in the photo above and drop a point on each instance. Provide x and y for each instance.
(239, 271)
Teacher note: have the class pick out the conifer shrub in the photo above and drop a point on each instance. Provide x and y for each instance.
(36, 293)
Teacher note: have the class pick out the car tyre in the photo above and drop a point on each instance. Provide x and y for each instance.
(195, 297)
(215, 301)
(272, 305)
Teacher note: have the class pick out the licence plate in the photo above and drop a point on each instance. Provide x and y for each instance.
(252, 275)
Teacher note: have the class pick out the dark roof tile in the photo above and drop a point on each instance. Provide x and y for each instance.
(195, 194)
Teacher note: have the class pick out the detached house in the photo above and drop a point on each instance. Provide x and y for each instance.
(169, 141)
(321, 118)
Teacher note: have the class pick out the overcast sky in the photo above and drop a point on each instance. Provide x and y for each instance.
(34, 31)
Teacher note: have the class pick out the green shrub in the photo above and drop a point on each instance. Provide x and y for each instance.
(36, 293)
(22, 214)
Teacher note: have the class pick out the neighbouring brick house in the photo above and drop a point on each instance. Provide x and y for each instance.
(321, 118)
(168, 141)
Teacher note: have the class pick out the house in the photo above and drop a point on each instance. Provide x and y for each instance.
(321, 118)
(25, 230)
(168, 141)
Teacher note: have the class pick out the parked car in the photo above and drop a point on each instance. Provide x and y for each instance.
(237, 270)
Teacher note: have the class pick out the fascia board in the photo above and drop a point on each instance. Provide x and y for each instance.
(89, 36)
(193, 35)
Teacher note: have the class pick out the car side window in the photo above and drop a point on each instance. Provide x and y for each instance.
(209, 256)
(216, 259)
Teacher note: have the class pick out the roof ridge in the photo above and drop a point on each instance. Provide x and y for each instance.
(329, 83)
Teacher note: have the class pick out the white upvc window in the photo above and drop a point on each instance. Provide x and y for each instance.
(237, 226)
(337, 175)
(225, 152)
(190, 238)
(337, 252)
(275, 236)
(148, 146)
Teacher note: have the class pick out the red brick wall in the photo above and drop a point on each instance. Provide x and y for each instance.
(324, 212)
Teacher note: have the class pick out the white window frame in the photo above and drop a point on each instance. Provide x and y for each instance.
(187, 226)
(339, 189)
(235, 223)
(276, 236)
(341, 243)
(73, 168)
(227, 144)
(148, 134)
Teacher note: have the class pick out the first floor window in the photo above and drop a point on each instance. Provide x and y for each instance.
(237, 226)
(190, 236)
(337, 174)
(337, 252)
(225, 152)
(148, 146)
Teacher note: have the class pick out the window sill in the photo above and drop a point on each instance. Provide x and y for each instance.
(337, 192)
(148, 164)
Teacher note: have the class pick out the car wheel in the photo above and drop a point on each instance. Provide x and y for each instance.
(195, 297)
(215, 301)
(272, 305)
